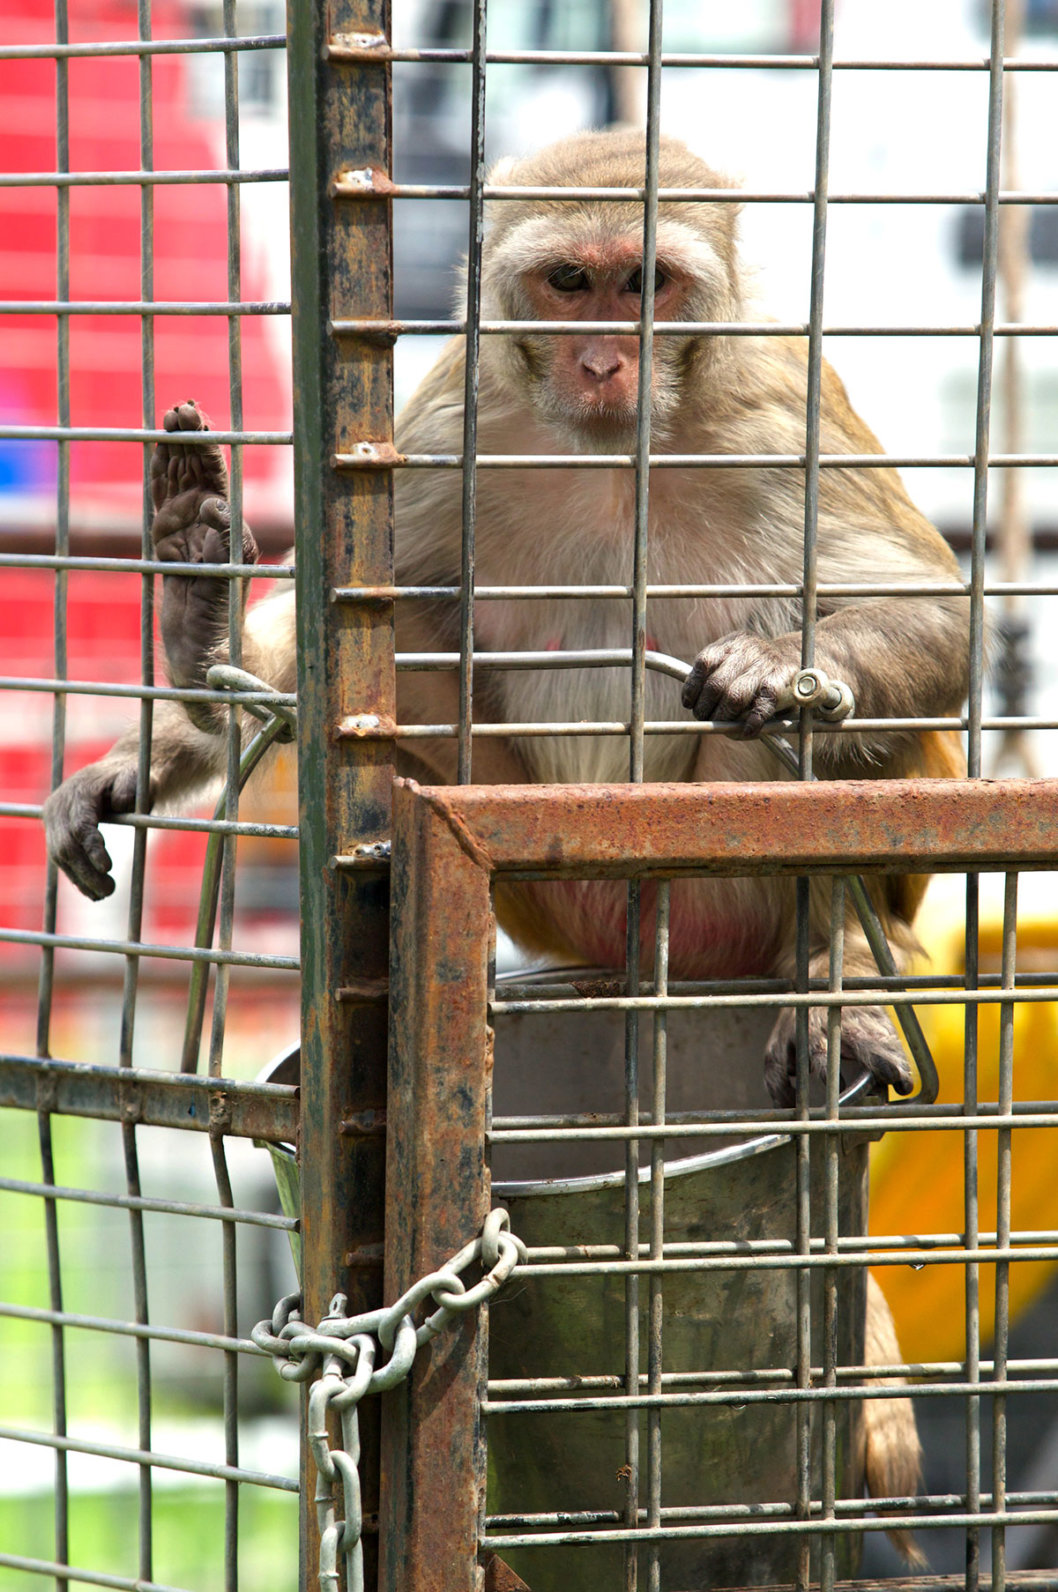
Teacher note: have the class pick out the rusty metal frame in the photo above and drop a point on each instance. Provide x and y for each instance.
(342, 262)
(449, 846)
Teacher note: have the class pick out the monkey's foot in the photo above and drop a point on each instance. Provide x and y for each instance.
(189, 484)
(869, 1043)
(192, 525)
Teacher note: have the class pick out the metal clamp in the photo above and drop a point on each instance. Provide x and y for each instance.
(831, 699)
(225, 677)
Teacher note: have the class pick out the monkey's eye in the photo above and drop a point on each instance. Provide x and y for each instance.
(635, 281)
(569, 279)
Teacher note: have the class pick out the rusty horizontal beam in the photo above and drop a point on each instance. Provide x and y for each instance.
(629, 831)
(153, 1099)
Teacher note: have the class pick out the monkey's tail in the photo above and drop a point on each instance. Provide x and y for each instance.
(892, 1451)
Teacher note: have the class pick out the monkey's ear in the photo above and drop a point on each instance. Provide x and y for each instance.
(503, 171)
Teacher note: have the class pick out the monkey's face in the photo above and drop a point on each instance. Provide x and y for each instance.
(592, 271)
(592, 381)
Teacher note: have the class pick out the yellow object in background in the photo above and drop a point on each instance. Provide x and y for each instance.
(917, 1178)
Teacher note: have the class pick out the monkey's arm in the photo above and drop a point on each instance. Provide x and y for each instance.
(903, 657)
(192, 525)
(185, 759)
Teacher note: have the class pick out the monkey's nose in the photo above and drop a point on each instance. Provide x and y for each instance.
(601, 367)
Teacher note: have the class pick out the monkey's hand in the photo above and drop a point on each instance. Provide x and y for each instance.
(743, 678)
(192, 525)
(73, 814)
(869, 1043)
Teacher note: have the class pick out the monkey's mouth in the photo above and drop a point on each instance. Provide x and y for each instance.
(616, 422)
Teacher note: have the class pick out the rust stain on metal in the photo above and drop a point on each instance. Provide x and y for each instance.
(448, 843)
(499, 1577)
(437, 1185)
(370, 596)
(782, 827)
(371, 1256)
(362, 182)
(179, 1100)
(599, 988)
(436, 798)
(131, 1107)
(359, 48)
(363, 1125)
(381, 334)
(219, 1111)
(366, 857)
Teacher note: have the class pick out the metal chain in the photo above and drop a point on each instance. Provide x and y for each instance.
(342, 1352)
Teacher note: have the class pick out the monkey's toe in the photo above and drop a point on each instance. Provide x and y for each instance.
(185, 417)
(177, 467)
(780, 1058)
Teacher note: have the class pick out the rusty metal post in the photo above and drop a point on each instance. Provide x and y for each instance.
(433, 1454)
(340, 120)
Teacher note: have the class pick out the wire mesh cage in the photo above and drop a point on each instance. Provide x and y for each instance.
(675, 1071)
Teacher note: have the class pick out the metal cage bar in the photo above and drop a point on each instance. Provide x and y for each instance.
(341, 263)
(125, 1099)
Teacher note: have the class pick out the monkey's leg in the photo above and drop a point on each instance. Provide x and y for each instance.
(192, 524)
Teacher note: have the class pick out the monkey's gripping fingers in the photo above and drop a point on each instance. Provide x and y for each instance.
(73, 814)
(742, 678)
(176, 468)
(869, 1043)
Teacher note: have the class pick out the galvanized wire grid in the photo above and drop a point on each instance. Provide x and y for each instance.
(137, 1095)
(644, 1519)
(816, 1385)
(570, 1389)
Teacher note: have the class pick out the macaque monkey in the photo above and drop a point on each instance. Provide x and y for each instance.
(903, 657)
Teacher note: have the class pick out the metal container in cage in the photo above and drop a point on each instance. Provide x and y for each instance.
(726, 1332)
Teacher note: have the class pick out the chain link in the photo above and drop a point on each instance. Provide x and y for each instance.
(342, 1351)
